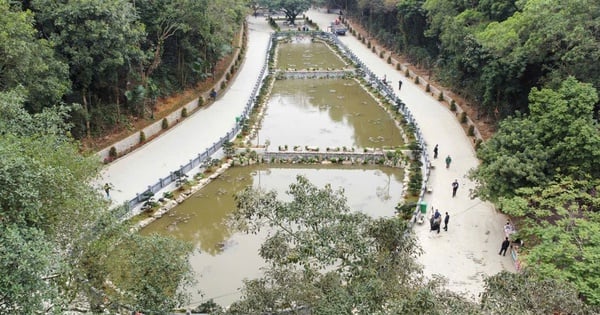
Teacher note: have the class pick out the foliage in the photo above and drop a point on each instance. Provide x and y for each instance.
(57, 233)
(291, 8)
(325, 258)
(165, 124)
(29, 62)
(561, 225)
(142, 137)
(559, 138)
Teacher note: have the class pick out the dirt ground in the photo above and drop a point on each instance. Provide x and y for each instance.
(485, 125)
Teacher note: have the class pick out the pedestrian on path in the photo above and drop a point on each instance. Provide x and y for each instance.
(454, 188)
(399, 85)
(107, 188)
(448, 161)
(435, 151)
(504, 247)
(446, 220)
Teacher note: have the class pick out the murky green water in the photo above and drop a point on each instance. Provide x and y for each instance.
(302, 54)
(227, 257)
(326, 113)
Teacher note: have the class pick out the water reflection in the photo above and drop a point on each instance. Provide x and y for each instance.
(305, 55)
(226, 257)
(326, 113)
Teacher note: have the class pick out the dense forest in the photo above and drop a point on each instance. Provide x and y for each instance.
(111, 59)
(493, 52)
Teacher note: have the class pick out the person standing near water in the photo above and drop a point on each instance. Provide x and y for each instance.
(448, 161)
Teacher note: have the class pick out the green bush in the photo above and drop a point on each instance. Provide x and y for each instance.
(381, 54)
(407, 73)
(389, 60)
(441, 96)
(463, 118)
(427, 88)
(165, 123)
(417, 80)
(368, 44)
(453, 106)
(373, 49)
(184, 112)
(471, 131)
(398, 67)
(227, 76)
(142, 137)
(223, 84)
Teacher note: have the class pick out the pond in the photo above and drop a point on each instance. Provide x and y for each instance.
(225, 257)
(326, 113)
(302, 53)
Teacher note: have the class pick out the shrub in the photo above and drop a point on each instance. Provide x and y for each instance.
(200, 101)
(368, 44)
(389, 60)
(381, 53)
(398, 67)
(427, 88)
(142, 137)
(471, 131)
(407, 73)
(223, 84)
(441, 96)
(112, 153)
(165, 123)
(417, 80)
(463, 118)
(453, 106)
(184, 112)
(363, 40)
(228, 76)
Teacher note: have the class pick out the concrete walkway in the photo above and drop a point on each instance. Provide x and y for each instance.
(468, 251)
(464, 254)
(134, 172)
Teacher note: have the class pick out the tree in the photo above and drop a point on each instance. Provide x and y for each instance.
(29, 62)
(529, 293)
(560, 224)
(54, 223)
(559, 138)
(291, 8)
(99, 40)
(325, 259)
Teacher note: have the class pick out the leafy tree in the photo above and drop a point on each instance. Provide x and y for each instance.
(561, 227)
(326, 259)
(291, 8)
(559, 137)
(29, 62)
(528, 293)
(53, 223)
(98, 39)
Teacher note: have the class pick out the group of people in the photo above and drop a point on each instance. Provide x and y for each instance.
(436, 221)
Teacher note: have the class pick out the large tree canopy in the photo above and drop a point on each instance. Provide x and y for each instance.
(560, 137)
(59, 242)
(291, 8)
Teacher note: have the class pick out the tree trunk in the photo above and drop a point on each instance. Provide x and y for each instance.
(88, 132)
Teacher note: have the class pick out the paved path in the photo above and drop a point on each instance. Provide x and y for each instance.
(134, 172)
(469, 250)
(464, 254)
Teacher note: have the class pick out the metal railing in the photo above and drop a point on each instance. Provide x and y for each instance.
(363, 70)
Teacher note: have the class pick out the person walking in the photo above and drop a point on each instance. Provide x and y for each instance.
(448, 161)
(107, 188)
(446, 220)
(454, 188)
(399, 85)
(504, 247)
(435, 151)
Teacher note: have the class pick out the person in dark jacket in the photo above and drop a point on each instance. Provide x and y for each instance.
(446, 220)
(504, 247)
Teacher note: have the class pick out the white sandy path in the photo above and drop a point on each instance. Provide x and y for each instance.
(134, 172)
(469, 250)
